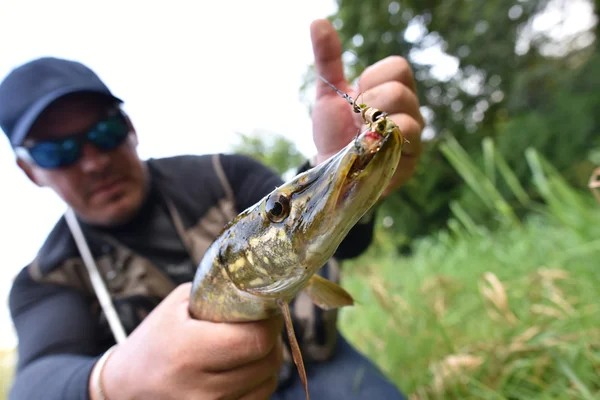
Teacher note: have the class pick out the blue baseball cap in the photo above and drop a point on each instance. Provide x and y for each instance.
(28, 89)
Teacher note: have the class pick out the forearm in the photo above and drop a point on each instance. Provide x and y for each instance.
(59, 377)
(57, 340)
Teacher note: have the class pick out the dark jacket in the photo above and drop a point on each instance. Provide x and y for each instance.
(60, 326)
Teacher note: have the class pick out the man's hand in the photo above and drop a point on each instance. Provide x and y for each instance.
(387, 85)
(172, 356)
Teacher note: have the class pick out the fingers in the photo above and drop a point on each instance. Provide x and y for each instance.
(231, 345)
(252, 379)
(393, 97)
(390, 86)
(327, 50)
(402, 107)
(405, 171)
(181, 294)
(411, 131)
(393, 68)
(264, 390)
(177, 300)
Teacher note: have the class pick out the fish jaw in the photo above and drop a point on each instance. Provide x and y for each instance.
(361, 176)
(274, 247)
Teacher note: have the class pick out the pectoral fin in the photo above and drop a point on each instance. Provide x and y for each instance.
(326, 294)
(296, 354)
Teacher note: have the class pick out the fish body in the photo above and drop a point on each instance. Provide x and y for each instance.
(262, 256)
(217, 298)
(271, 251)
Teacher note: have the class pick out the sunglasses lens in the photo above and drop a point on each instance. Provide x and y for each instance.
(55, 154)
(109, 134)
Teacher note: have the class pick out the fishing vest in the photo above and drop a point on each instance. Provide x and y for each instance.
(200, 202)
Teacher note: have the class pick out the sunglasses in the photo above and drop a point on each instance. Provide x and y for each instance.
(106, 135)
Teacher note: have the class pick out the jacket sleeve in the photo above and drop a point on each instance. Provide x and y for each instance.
(56, 341)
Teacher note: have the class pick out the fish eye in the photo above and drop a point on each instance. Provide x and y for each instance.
(381, 127)
(277, 207)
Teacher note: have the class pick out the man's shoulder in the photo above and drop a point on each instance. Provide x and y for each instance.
(203, 172)
(21, 282)
(181, 161)
(56, 261)
(187, 161)
(200, 165)
(31, 281)
(58, 246)
(23, 285)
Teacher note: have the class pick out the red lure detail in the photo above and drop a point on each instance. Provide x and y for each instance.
(372, 135)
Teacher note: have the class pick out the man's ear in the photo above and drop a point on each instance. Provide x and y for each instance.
(28, 170)
(132, 132)
(133, 137)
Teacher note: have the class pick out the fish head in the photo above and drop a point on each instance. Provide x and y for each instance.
(276, 245)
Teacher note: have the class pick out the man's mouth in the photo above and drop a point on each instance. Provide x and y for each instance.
(108, 188)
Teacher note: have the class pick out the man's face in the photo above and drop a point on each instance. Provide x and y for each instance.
(103, 188)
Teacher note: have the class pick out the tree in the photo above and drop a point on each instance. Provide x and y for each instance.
(275, 151)
(482, 70)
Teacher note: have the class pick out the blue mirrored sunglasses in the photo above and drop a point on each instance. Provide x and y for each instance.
(106, 135)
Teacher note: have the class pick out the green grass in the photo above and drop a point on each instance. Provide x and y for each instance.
(7, 365)
(473, 314)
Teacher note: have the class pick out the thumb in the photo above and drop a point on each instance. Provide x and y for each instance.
(181, 294)
(327, 50)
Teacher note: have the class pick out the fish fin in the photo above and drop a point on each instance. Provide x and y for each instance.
(326, 294)
(296, 353)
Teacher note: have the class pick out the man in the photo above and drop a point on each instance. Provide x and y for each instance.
(147, 225)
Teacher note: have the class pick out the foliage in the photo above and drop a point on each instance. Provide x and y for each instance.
(480, 314)
(273, 150)
(7, 370)
(495, 77)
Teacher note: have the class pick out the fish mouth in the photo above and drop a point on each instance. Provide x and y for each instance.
(364, 150)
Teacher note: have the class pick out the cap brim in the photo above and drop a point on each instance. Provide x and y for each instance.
(30, 116)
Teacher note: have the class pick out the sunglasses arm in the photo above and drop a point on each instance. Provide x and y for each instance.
(23, 153)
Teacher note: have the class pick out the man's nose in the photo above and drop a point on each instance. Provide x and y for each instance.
(92, 159)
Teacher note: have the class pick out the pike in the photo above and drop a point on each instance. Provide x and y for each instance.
(272, 250)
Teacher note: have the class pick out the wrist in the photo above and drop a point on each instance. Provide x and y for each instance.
(96, 387)
(109, 379)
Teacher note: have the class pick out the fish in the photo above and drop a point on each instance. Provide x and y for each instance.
(270, 252)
